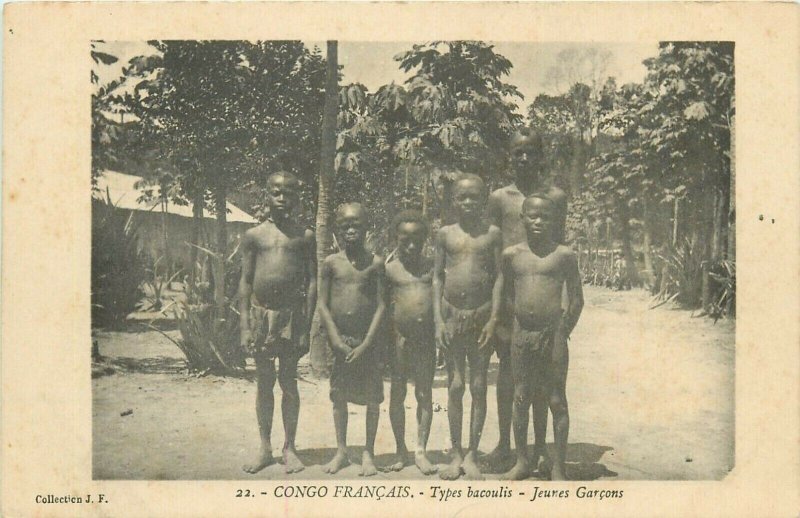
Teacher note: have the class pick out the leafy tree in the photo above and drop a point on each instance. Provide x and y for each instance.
(688, 133)
(454, 113)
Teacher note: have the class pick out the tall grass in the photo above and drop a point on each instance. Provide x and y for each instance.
(118, 265)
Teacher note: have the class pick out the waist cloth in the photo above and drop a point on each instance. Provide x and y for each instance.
(359, 382)
(466, 323)
(276, 332)
(540, 341)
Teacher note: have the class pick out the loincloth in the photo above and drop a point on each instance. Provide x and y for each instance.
(359, 382)
(532, 356)
(414, 354)
(465, 324)
(275, 332)
(540, 341)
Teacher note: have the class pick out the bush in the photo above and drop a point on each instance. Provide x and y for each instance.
(210, 334)
(118, 265)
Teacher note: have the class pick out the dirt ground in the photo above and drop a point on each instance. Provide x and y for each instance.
(651, 396)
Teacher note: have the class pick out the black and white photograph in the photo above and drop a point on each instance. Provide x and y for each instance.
(455, 260)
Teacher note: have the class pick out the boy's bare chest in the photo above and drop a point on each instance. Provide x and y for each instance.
(345, 273)
(460, 245)
(528, 264)
(274, 240)
(401, 278)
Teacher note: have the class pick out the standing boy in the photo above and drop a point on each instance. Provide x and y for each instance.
(527, 163)
(351, 307)
(277, 294)
(534, 274)
(465, 272)
(408, 283)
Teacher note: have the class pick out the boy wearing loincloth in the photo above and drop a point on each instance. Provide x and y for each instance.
(466, 263)
(534, 274)
(351, 307)
(277, 294)
(408, 285)
(527, 163)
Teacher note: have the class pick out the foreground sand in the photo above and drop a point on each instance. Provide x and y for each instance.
(651, 397)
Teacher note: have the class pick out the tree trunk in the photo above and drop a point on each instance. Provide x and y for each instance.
(221, 208)
(197, 223)
(731, 248)
(425, 183)
(167, 267)
(675, 215)
(444, 207)
(627, 248)
(647, 244)
(320, 352)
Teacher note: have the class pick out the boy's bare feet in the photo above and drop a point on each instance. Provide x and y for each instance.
(470, 467)
(498, 457)
(453, 471)
(292, 464)
(264, 459)
(540, 461)
(368, 468)
(558, 472)
(520, 471)
(424, 465)
(338, 462)
(402, 461)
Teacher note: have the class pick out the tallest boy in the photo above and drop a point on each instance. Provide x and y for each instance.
(527, 163)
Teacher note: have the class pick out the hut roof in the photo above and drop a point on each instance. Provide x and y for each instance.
(122, 190)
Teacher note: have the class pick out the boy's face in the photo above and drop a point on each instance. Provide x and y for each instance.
(537, 216)
(410, 240)
(282, 196)
(526, 162)
(351, 225)
(469, 198)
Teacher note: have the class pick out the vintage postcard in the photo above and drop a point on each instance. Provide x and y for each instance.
(322, 259)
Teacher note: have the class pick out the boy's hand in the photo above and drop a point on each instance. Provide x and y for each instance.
(487, 334)
(246, 340)
(303, 345)
(442, 340)
(559, 346)
(339, 345)
(356, 353)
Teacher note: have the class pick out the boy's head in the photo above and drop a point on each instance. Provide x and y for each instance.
(527, 158)
(538, 212)
(282, 193)
(469, 195)
(351, 224)
(412, 230)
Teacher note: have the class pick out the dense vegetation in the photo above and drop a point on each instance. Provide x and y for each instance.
(648, 166)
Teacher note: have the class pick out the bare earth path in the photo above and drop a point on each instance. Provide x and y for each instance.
(651, 397)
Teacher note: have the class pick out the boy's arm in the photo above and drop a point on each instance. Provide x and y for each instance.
(574, 294)
(497, 244)
(311, 283)
(246, 289)
(377, 317)
(494, 210)
(324, 313)
(437, 284)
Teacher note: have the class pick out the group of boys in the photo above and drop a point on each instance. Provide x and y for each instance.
(507, 285)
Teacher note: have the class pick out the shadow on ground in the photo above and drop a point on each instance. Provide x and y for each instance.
(582, 461)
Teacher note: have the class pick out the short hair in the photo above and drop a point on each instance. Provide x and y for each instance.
(533, 137)
(352, 205)
(411, 216)
(470, 177)
(287, 176)
(540, 196)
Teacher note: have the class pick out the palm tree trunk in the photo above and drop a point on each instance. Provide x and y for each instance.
(221, 208)
(320, 353)
(197, 223)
